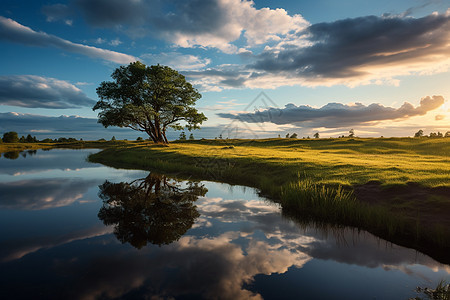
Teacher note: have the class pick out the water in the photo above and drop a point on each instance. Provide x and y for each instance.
(70, 229)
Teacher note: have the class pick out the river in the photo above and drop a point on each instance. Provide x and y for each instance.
(70, 229)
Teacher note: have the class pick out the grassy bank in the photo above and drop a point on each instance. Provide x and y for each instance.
(324, 179)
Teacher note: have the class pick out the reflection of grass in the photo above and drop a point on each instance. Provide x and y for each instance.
(441, 292)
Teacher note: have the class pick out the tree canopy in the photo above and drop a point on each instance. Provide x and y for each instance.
(148, 99)
(10, 137)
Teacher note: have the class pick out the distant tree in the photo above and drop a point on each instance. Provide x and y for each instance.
(433, 134)
(307, 137)
(10, 137)
(182, 136)
(139, 139)
(191, 137)
(418, 133)
(22, 139)
(287, 135)
(447, 134)
(47, 140)
(352, 133)
(294, 136)
(279, 136)
(439, 134)
(113, 139)
(148, 99)
(316, 135)
(220, 136)
(29, 139)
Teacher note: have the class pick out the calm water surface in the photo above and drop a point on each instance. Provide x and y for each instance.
(70, 229)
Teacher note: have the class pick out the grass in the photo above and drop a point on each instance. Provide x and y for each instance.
(320, 179)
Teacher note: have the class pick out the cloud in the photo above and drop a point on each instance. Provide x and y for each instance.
(14, 32)
(364, 49)
(39, 194)
(359, 51)
(17, 249)
(334, 115)
(41, 92)
(57, 12)
(193, 23)
(177, 60)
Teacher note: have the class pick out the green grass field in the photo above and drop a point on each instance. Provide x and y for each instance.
(397, 188)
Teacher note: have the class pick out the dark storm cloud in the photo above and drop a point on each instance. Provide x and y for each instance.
(41, 92)
(109, 13)
(182, 16)
(14, 32)
(335, 115)
(351, 47)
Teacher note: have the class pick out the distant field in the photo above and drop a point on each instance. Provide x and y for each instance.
(328, 161)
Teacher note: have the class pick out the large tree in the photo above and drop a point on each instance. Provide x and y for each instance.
(148, 99)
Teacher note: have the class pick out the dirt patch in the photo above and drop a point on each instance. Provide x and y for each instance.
(431, 206)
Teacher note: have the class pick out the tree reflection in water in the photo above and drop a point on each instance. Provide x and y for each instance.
(155, 209)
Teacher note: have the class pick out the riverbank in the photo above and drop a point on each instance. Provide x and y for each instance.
(398, 189)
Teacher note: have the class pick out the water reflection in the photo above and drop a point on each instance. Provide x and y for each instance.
(39, 194)
(11, 155)
(155, 209)
(228, 243)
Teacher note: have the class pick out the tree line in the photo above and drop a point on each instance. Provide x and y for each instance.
(432, 134)
(13, 137)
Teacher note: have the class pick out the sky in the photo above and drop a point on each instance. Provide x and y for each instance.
(264, 68)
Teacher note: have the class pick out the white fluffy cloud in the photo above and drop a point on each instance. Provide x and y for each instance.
(203, 23)
(14, 32)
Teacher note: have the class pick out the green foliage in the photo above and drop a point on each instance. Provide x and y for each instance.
(191, 137)
(113, 138)
(294, 136)
(316, 135)
(352, 133)
(182, 136)
(10, 137)
(418, 133)
(148, 99)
